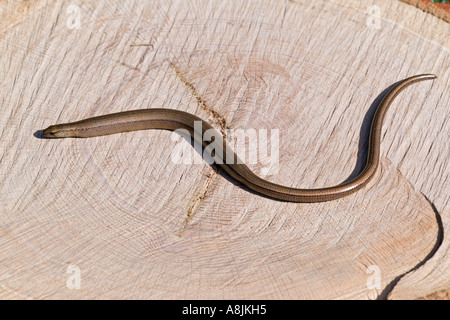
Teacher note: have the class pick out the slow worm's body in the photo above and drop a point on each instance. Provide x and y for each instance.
(173, 119)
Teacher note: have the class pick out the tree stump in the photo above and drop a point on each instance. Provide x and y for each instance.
(117, 217)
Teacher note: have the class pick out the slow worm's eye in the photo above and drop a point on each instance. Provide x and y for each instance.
(50, 132)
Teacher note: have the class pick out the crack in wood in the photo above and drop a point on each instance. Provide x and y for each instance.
(384, 295)
(223, 128)
(196, 202)
(128, 66)
(142, 45)
(220, 119)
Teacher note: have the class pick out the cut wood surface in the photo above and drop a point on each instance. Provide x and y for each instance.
(119, 217)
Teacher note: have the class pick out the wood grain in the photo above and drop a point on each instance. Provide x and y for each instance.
(134, 224)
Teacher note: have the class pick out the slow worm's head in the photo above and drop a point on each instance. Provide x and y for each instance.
(55, 131)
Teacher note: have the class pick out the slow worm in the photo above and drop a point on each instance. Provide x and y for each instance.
(170, 119)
